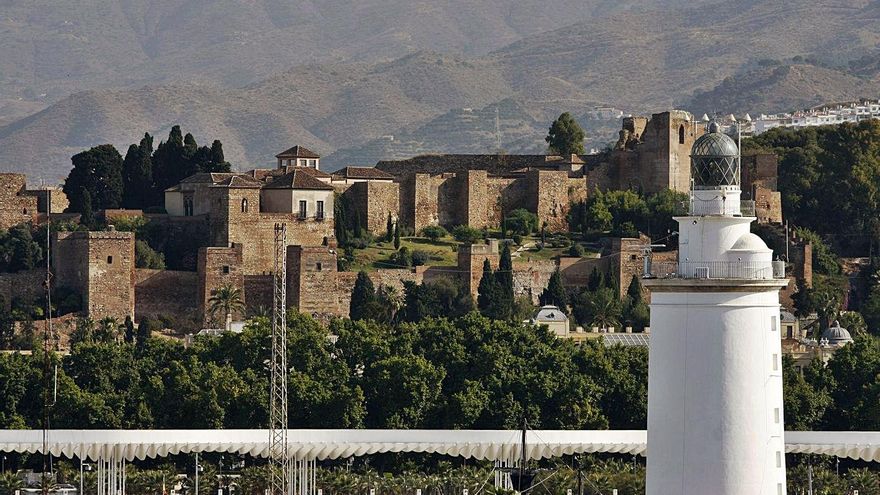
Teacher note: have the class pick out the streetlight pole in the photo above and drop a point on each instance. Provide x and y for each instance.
(197, 473)
(80, 476)
(4, 463)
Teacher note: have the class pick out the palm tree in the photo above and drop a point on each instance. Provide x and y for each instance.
(9, 483)
(226, 299)
(108, 329)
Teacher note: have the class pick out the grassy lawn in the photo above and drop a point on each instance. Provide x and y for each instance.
(442, 252)
(376, 255)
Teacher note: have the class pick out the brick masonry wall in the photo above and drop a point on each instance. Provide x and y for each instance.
(166, 292)
(531, 278)
(27, 285)
(554, 193)
(16, 205)
(219, 266)
(259, 292)
(374, 201)
(100, 266)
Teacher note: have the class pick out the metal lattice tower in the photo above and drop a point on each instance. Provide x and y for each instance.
(279, 460)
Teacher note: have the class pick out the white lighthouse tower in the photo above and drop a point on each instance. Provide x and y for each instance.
(715, 421)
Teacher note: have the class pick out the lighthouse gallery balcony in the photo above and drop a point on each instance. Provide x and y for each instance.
(709, 270)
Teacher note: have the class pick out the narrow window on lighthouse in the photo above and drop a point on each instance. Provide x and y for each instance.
(776, 362)
(776, 415)
(778, 459)
(779, 488)
(772, 323)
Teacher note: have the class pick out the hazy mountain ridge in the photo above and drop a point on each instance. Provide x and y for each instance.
(638, 60)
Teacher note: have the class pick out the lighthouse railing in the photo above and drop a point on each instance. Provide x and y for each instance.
(738, 270)
(742, 208)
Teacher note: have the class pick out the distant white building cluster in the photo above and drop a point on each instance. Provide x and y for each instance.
(837, 113)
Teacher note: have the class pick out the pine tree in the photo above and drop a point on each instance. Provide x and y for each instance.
(363, 295)
(555, 293)
(396, 236)
(486, 291)
(504, 279)
(86, 215)
(389, 228)
(566, 137)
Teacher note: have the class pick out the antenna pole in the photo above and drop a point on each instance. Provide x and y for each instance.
(279, 460)
(47, 361)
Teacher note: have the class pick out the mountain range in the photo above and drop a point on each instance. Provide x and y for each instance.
(367, 80)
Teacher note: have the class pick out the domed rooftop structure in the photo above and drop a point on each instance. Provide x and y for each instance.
(836, 335)
(749, 242)
(714, 160)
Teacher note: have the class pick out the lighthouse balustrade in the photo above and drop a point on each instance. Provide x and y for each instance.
(739, 270)
(699, 208)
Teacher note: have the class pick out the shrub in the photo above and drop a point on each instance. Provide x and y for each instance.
(420, 257)
(467, 235)
(401, 258)
(434, 232)
(147, 257)
(517, 239)
(522, 221)
(576, 250)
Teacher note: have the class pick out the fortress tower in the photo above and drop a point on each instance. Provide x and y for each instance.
(715, 421)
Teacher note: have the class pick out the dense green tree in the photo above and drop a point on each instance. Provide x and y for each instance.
(129, 330)
(401, 390)
(824, 260)
(396, 236)
(565, 137)
(434, 232)
(596, 280)
(440, 297)
(555, 293)
(137, 175)
(467, 235)
(147, 257)
(98, 172)
(169, 162)
(18, 249)
(218, 160)
(521, 221)
(363, 296)
(805, 404)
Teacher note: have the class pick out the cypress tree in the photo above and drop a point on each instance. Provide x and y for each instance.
(137, 175)
(218, 161)
(634, 291)
(86, 215)
(504, 280)
(362, 296)
(389, 228)
(129, 330)
(396, 236)
(169, 165)
(486, 291)
(595, 281)
(555, 293)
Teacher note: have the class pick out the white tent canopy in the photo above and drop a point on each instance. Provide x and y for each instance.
(495, 445)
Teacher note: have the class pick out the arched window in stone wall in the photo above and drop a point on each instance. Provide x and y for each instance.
(681, 134)
(244, 205)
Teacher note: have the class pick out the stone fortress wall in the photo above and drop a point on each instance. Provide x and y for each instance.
(233, 237)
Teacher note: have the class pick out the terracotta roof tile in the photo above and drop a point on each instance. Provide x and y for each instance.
(298, 180)
(297, 152)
